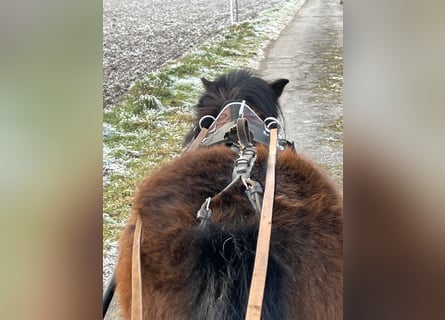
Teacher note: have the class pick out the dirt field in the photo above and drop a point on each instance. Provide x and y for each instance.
(139, 36)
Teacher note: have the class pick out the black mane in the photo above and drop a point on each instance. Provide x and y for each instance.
(236, 86)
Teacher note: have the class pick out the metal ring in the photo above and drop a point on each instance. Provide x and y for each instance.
(269, 121)
(204, 117)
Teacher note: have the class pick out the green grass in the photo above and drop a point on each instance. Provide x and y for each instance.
(146, 128)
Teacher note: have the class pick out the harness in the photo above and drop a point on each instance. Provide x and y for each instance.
(238, 127)
(223, 128)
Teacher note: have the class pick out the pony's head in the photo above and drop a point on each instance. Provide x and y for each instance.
(239, 85)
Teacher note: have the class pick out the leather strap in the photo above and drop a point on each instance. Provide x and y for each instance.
(258, 283)
(108, 294)
(136, 284)
(195, 144)
(242, 129)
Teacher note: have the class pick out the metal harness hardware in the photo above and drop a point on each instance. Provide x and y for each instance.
(204, 213)
(243, 144)
(242, 170)
(254, 192)
(244, 163)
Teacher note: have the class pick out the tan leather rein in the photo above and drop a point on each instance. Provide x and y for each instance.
(258, 283)
(136, 276)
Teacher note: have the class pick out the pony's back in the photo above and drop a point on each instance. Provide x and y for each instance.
(204, 272)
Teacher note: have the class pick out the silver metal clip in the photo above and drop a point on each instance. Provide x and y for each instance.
(204, 213)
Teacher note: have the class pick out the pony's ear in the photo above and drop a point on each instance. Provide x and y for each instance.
(278, 85)
(206, 83)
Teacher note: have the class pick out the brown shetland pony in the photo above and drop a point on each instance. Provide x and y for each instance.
(204, 273)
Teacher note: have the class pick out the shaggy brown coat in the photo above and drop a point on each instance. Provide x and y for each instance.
(306, 233)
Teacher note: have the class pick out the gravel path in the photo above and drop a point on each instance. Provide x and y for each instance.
(140, 35)
(309, 52)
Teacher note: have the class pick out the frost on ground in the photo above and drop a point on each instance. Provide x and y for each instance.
(141, 35)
